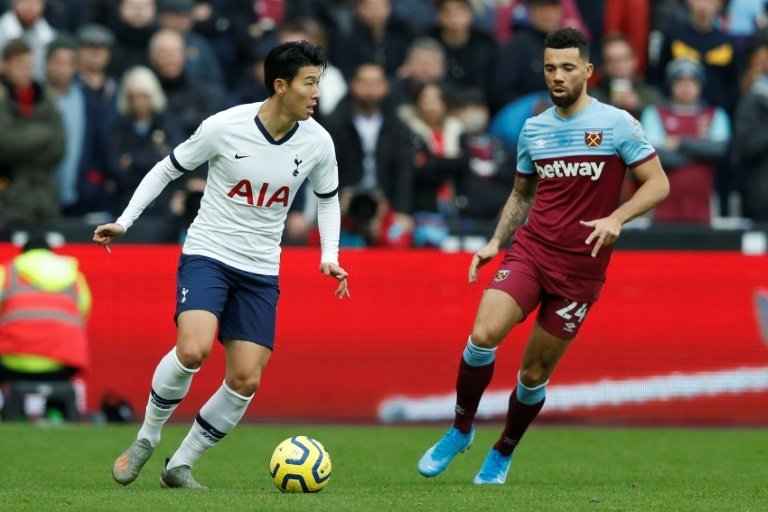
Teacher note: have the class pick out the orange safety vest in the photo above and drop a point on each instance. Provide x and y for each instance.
(36, 322)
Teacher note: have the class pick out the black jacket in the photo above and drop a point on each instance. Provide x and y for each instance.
(393, 159)
(751, 144)
(519, 68)
(360, 47)
(132, 154)
(470, 65)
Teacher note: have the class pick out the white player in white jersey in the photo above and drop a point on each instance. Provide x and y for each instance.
(258, 156)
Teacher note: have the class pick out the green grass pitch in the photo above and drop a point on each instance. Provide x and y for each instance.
(374, 469)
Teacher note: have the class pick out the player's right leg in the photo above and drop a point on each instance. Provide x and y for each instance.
(170, 384)
(497, 314)
(540, 358)
(201, 294)
(221, 413)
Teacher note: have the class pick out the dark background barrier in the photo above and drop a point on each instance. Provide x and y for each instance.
(656, 237)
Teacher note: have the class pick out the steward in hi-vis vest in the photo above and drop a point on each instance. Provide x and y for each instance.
(44, 303)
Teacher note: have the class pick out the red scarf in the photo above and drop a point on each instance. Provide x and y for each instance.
(445, 191)
(25, 98)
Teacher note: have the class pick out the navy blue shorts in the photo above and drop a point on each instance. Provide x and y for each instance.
(244, 303)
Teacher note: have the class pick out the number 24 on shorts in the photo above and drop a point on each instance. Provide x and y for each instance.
(568, 313)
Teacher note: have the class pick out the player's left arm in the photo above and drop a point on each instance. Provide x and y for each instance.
(632, 147)
(325, 183)
(654, 187)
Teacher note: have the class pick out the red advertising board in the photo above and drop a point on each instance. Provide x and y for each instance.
(677, 337)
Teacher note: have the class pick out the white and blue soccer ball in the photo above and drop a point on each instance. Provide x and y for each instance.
(300, 464)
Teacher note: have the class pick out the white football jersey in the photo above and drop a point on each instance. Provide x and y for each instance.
(252, 180)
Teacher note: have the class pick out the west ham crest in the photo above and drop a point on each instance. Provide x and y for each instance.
(501, 275)
(593, 138)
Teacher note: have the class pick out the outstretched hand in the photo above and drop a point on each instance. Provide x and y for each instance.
(338, 273)
(481, 257)
(606, 231)
(105, 233)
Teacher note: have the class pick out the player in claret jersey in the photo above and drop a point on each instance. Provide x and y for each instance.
(571, 163)
(258, 156)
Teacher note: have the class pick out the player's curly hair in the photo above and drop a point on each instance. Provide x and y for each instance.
(284, 61)
(568, 38)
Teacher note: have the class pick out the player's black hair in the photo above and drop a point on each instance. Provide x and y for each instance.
(284, 61)
(568, 38)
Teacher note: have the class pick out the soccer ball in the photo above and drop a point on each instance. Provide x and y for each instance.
(300, 464)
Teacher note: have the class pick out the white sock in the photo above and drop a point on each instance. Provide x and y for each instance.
(217, 417)
(170, 384)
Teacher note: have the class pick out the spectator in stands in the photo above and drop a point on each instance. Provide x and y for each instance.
(102, 12)
(45, 305)
(744, 18)
(690, 137)
(233, 28)
(95, 43)
(183, 208)
(420, 15)
(32, 141)
(756, 58)
(751, 142)
(143, 134)
(632, 20)
(469, 52)
(189, 101)
(439, 164)
(99, 89)
(592, 14)
(512, 15)
(61, 66)
(24, 20)
(483, 191)
(620, 84)
(251, 87)
(507, 123)
(94, 54)
(376, 37)
(371, 141)
(133, 28)
(520, 66)
(424, 63)
(202, 63)
(665, 14)
(368, 220)
(700, 38)
(67, 15)
(336, 16)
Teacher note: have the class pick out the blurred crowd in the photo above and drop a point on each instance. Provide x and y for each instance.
(425, 100)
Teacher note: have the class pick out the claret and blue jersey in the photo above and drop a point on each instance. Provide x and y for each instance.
(579, 164)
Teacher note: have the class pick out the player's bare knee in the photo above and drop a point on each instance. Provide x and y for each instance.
(191, 357)
(533, 375)
(484, 338)
(245, 385)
